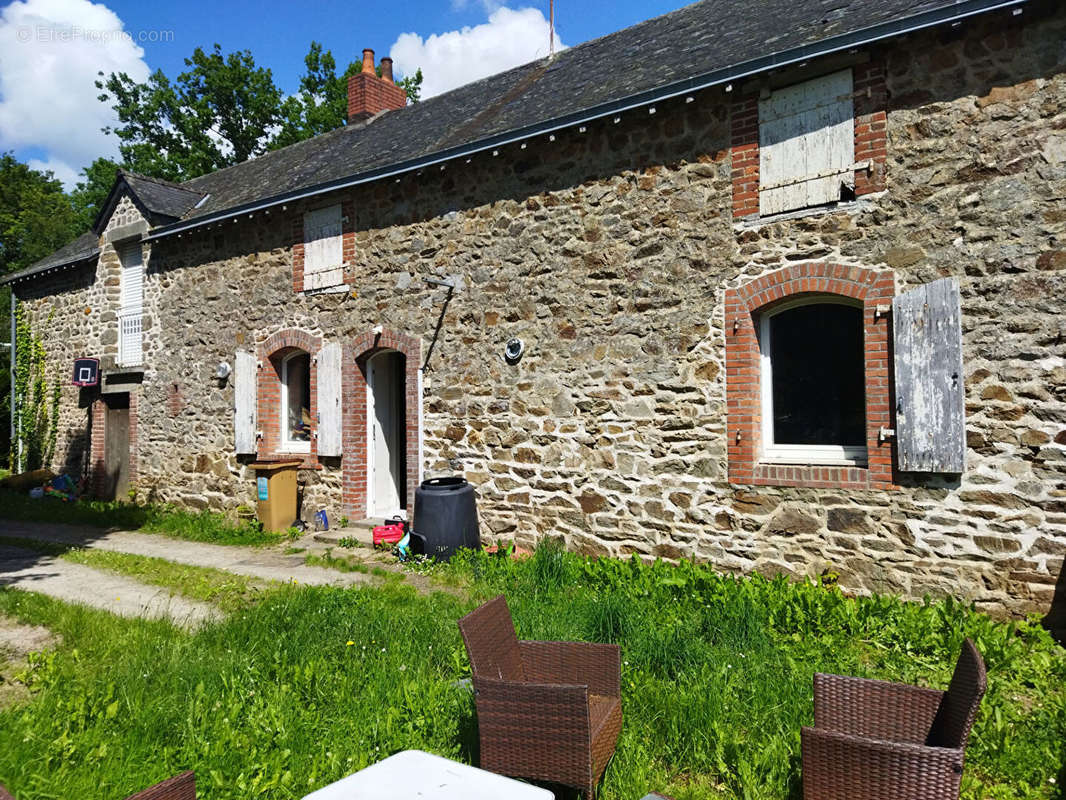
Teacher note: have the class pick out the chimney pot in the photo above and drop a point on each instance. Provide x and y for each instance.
(368, 94)
(386, 69)
(368, 61)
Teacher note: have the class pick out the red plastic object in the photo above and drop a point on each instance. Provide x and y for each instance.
(390, 534)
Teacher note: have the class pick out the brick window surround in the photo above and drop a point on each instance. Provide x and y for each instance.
(347, 234)
(871, 143)
(98, 477)
(743, 374)
(355, 490)
(270, 354)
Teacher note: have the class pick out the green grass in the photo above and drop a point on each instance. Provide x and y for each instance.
(197, 526)
(224, 589)
(342, 564)
(313, 683)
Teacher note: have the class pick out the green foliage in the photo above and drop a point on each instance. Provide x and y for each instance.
(89, 195)
(169, 520)
(37, 408)
(215, 114)
(224, 110)
(312, 683)
(36, 217)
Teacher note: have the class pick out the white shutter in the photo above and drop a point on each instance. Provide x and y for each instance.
(806, 143)
(245, 392)
(132, 282)
(930, 396)
(329, 400)
(323, 248)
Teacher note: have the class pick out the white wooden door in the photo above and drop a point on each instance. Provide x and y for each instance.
(386, 434)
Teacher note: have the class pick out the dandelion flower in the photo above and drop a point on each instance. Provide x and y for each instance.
(349, 643)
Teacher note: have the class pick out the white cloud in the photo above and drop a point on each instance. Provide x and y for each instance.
(509, 38)
(50, 54)
(62, 171)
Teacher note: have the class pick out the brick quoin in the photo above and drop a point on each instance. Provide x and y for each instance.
(743, 375)
(355, 492)
(871, 139)
(268, 393)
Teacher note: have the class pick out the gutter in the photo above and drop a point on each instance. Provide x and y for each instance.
(16, 444)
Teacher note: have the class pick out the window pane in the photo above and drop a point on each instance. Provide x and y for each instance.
(298, 389)
(819, 394)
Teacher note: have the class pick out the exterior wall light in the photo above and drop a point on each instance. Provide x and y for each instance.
(513, 350)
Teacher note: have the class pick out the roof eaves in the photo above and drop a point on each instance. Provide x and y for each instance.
(34, 272)
(854, 39)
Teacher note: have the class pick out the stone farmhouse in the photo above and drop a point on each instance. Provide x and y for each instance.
(781, 287)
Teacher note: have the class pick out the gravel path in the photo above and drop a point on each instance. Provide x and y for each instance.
(256, 562)
(75, 583)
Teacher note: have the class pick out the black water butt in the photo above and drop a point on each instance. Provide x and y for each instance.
(446, 516)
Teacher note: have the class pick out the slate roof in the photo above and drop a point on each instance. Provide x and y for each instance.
(709, 42)
(162, 198)
(85, 246)
(707, 37)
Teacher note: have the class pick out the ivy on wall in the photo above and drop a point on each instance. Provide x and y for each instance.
(36, 407)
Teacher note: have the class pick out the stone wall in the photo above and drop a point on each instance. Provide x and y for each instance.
(609, 253)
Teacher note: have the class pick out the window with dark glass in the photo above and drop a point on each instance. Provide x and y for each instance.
(296, 401)
(813, 383)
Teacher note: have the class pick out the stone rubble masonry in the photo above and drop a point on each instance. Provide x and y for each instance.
(742, 363)
(611, 254)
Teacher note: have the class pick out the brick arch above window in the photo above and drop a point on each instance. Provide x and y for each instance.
(270, 353)
(873, 289)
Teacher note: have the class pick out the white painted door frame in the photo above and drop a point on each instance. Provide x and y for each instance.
(374, 506)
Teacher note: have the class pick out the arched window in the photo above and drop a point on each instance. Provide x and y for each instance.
(813, 381)
(296, 402)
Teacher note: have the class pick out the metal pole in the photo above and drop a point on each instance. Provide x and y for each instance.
(16, 445)
(551, 28)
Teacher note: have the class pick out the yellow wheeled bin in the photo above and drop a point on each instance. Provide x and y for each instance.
(275, 491)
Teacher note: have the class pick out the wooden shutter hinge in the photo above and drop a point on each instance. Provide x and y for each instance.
(881, 311)
(885, 434)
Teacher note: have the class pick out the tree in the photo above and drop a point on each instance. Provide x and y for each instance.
(225, 110)
(216, 114)
(89, 195)
(322, 102)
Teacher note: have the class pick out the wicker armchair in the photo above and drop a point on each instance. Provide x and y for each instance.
(548, 711)
(874, 740)
(180, 787)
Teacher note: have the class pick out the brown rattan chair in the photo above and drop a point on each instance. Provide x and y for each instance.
(547, 711)
(180, 787)
(874, 740)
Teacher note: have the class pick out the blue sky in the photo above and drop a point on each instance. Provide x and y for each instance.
(50, 51)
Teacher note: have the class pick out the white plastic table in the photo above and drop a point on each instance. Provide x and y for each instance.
(414, 774)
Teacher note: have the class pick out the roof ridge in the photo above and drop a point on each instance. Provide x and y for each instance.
(160, 181)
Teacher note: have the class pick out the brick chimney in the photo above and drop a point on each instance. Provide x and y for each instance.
(368, 94)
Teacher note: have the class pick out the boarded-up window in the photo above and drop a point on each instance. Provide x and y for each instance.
(323, 248)
(806, 144)
(245, 379)
(930, 397)
(330, 425)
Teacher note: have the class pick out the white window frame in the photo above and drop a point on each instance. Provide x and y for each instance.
(291, 445)
(324, 247)
(799, 454)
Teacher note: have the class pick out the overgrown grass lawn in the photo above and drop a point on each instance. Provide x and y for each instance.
(311, 684)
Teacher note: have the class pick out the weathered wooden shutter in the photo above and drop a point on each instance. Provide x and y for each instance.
(245, 417)
(930, 398)
(323, 248)
(806, 144)
(329, 400)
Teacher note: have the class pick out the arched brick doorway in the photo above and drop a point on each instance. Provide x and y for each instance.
(381, 373)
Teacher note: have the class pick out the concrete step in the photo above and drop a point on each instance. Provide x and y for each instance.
(362, 534)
